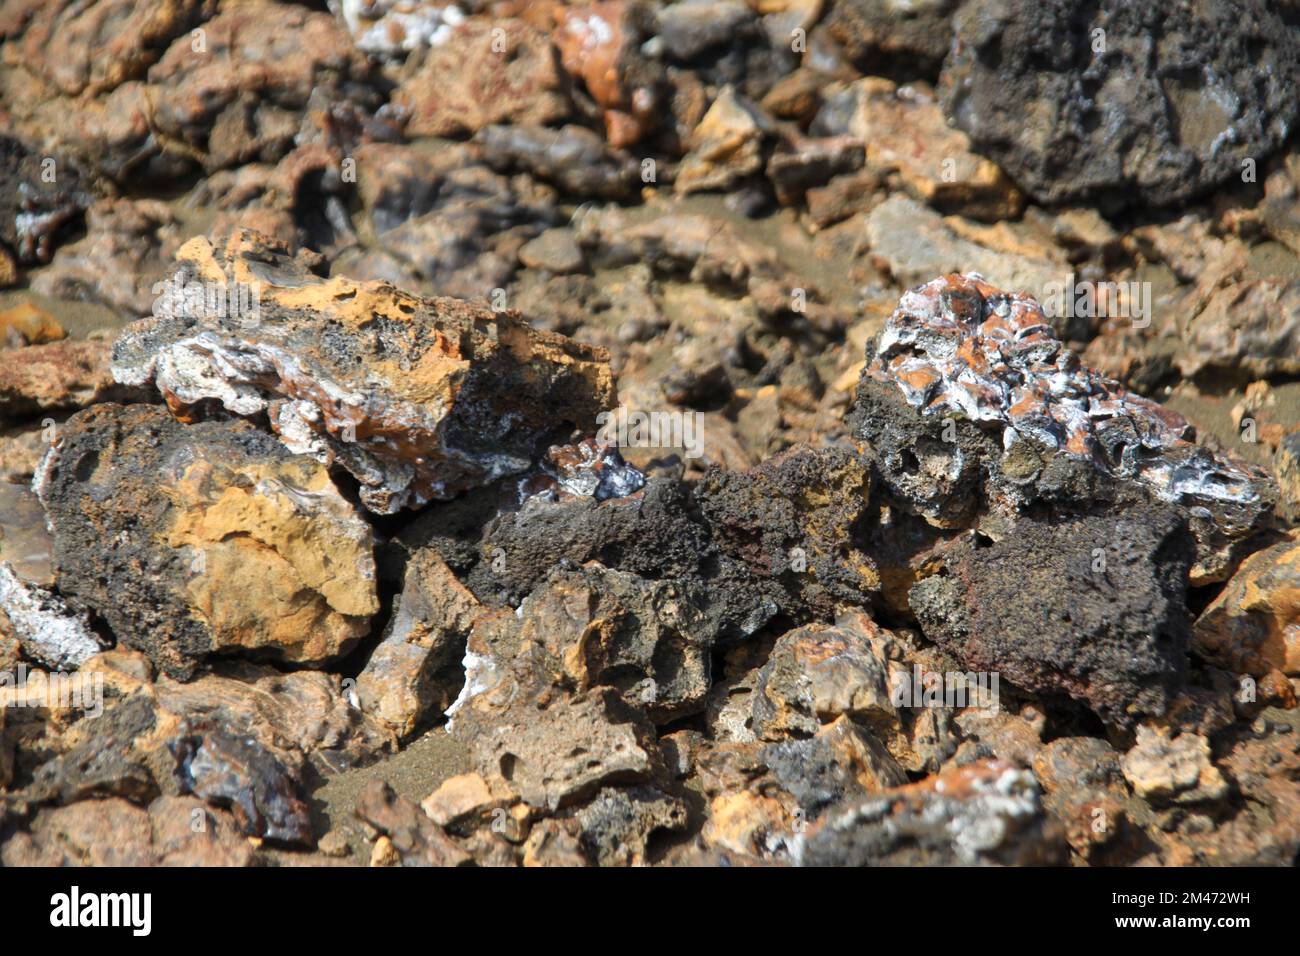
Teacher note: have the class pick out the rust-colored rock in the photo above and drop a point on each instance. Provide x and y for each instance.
(417, 398)
(193, 540)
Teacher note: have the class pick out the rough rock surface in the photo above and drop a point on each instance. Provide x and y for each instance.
(1125, 102)
(1090, 607)
(207, 538)
(982, 814)
(1253, 626)
(971, 405)
(472, 396)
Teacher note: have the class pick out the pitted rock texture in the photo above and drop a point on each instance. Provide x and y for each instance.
(971, 405)
(1092, 608)
(417, 398)
(1123, 102)
(984, 814)
(41, 197)
(190, 540)
(787, 533)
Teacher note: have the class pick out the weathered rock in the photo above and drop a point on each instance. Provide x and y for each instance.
(971, 405)
(1287, 469)
(391, 29)
(648, 532)
(487, 71)
(726, 147)
(593, 626)
(551, 747)
(815, 675)
(787, 528)
(981, 814)
(94, 48)
(190, 540)
(840, 763)
(916, 244)
(58, 376)
(1246, 329)
(905, 132)
(555, 250)
(415, 670)
(173, 831)
(573, 158)
(465, 801)
(47, 630)
(415, 839)
(418, 399)
(41, 196)
(800, 164)
(1162, 769)
(25, 324)
(239, 773)
(1122, 103)
(1090, 607)
(1253, 626)
(618, 824)
(120, 261)
(893, 37)
(600, 44)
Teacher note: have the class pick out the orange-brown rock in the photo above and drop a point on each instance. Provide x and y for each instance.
(417, 398)
(1253, 626)
(201, 539)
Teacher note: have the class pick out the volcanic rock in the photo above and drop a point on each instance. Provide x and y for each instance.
(41, 195)
(600, 44)
(1092, 607)
(120, 261)
(726, 147)
(487, 71)
(893, 37)
(971, 405)
(1122, 103)
(25, 324)
(1253, 626)
(981, 814)
(573, 158)
(786, 529)
(190, 540)
(905, 132)
(57, 376)
(173, 831)
(616, 827)
(47, 630)
(1162, 769)
(416, 840)
(418, 399)
(415, 670)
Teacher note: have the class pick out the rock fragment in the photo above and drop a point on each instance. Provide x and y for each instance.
(981, 814)
(1165, 769)
(487, 71)
(193, 540)
(58, 376)
(1089, 607)
(1126, 103)
(415, 671)
(972, 404)
(414, 839)
(418, 399)
(45, 627)
(1253, 626)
